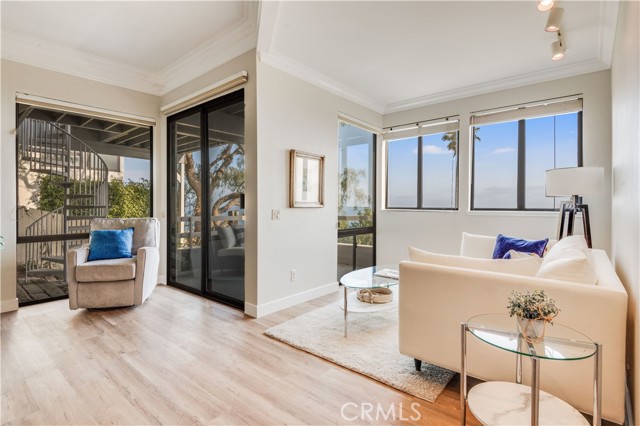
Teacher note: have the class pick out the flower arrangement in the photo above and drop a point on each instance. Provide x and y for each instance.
(532, 305)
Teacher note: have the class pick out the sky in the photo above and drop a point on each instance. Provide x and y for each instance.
(136, 169)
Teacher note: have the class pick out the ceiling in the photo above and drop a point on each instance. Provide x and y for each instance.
(385, 55)
(150, 46)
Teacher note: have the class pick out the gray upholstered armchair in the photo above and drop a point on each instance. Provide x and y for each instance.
(116, 282)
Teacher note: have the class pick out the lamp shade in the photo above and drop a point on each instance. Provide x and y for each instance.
(574, 181)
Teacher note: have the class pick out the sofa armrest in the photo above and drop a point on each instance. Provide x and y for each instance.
(435, 299)
(147, 263)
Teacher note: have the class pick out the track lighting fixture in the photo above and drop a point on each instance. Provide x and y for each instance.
(554, 19)
(557, 48)
(544, 5)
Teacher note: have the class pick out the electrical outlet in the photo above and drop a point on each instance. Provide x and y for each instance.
(293, 275)
(275, 214)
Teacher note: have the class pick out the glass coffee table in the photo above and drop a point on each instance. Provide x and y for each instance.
(366, 279)
(505, 403)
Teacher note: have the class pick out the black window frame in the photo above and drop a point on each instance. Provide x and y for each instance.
(420, 168)
(522, 164)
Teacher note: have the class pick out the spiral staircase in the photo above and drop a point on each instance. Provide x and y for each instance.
(78, 179)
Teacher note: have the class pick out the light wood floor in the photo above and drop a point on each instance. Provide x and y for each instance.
(181, 359)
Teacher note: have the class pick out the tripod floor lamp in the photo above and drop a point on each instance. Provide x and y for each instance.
(574, 182)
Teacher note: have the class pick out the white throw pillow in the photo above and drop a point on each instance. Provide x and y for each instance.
(479, 246)
(527, 267)
(568, 260)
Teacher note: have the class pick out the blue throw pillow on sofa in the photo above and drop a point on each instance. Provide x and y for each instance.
(504, 244)
(110, 244)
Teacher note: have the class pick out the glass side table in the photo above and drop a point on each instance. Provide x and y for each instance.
(366, 278)
(504, 403)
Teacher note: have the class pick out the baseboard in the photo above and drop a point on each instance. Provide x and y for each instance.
(9, 305)
(288, 301)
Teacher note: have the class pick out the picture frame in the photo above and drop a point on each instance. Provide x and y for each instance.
(306, 188)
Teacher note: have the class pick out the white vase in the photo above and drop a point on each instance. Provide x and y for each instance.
(532, 329)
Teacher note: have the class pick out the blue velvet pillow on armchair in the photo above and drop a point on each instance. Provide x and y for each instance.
(504, 244)
(110, 244)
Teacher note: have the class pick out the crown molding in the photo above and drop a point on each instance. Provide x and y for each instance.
(229, 44)
(316, 78)
(41, 53)
(563, 71)
(233, 41)
(607, 35)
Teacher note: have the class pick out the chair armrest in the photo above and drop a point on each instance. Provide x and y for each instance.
(76, 256)
(147, 263)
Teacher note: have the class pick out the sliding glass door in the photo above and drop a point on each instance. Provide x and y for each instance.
(206, 199)
(356, 198)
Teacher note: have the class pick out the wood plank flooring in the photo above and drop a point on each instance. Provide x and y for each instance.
(183, 360)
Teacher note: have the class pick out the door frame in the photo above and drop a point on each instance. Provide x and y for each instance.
(204, 109)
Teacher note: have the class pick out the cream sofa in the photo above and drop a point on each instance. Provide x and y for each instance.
(435, 300)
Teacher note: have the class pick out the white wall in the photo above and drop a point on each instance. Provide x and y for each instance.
(441, 232)
(37, 81)
(293, 114)
(625, 100)
(245, 62)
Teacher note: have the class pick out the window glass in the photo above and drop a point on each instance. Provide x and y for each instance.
(547, 143)
(402, 173)
(495, 169)
(439, 170)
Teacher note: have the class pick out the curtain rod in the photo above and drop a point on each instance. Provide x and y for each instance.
(418, 123)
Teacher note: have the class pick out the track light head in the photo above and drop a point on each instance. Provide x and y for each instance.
(557, 48)
(554, 19)
(544, 5)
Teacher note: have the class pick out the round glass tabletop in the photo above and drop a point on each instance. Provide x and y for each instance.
(559, 343)
(375, 276)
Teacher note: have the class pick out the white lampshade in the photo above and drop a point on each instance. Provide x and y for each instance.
(574, 181)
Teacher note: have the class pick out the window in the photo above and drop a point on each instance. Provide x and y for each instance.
(422, 166)
(513, 148)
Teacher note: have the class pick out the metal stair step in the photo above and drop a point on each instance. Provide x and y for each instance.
(50, 172)
(48, 150)
(54, 259)
(64, 164)
(47, 272)
(90, 206)
(82, 217)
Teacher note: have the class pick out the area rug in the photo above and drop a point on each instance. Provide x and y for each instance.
(371, 348)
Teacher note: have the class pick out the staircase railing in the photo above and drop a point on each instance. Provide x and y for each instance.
(82, 174)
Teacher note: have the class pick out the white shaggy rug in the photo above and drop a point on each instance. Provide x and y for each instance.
(371, 348)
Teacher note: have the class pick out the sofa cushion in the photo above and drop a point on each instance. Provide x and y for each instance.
(227, 237)
(107, 270)
(504, 244)
(527, 267)
(144, 230)
(569, 260)
(239, 233)
(480, 246)
(110, 244)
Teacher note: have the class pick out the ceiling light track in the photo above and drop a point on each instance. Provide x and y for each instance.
(554, 21)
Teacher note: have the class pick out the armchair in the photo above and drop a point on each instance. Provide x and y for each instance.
(115, 282)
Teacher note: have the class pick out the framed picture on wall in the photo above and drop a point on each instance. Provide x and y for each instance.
(306, 188)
